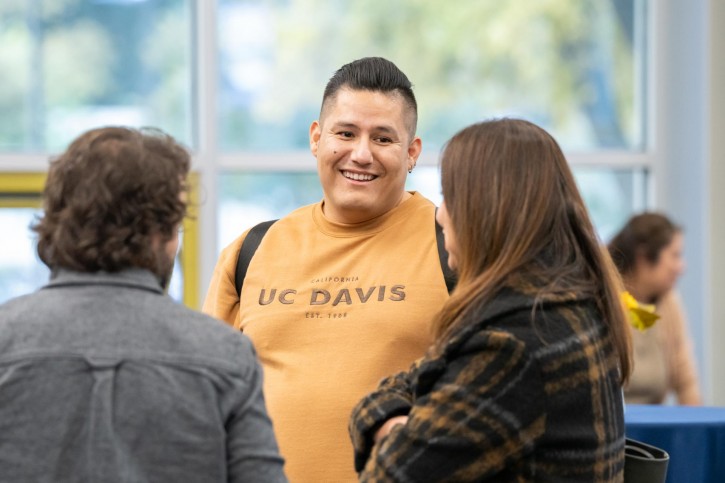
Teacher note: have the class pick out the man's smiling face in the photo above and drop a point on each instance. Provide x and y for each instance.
(364, 150)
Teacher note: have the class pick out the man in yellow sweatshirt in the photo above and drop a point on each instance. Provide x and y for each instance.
(340, 294)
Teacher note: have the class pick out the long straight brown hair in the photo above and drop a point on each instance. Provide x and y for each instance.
(519, 219)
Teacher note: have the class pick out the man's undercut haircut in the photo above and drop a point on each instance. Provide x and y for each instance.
(374, 74)
(108, 196)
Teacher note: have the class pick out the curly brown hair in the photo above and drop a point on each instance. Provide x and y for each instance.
(108, 195)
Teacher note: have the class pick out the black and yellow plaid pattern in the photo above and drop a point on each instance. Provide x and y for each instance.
(514, 397)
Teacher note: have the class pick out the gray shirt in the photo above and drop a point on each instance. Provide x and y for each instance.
(105, 378)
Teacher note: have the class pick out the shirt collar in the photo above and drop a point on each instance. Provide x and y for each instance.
(139, 278)
(403, 211)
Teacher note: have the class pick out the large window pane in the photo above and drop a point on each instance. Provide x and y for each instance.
(69, 65)
(21, 271)
(568, 65)
(612, 196)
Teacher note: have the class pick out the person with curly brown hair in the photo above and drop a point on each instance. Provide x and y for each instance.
(103, 377)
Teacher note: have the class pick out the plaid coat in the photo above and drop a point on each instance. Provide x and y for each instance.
(511, 398)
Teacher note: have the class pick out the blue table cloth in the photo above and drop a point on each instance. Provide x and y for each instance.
(693, 436)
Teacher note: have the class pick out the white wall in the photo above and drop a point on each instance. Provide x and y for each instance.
(689, 131)
(716, 159)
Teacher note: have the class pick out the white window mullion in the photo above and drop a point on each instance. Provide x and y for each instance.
(206, 157)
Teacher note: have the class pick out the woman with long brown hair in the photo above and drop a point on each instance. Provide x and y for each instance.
(532, 348)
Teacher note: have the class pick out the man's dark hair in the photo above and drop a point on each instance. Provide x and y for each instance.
(373, 74)
(107, 196)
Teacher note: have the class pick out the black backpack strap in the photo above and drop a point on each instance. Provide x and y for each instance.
(249, 246)
(255, 235)
(448, 275)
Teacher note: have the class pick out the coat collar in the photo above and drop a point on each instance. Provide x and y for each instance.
(138, 278)
(507, 302)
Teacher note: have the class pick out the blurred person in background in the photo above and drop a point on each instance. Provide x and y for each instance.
(104, 377)
(648, 253)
